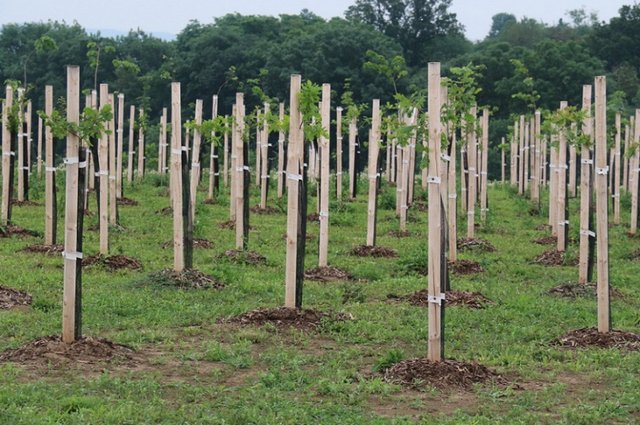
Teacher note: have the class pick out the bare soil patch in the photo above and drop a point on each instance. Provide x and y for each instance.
(400, 233)
(13, 230)
(418, 373)
(327, 274)
(315, 217)
(284, 318)
(127, 202)
(165, 211)
(50, 349)
(466, 299)
(546, 240)
(112, 262)
(25, 203)
(590, 337)
(264, 211)
(197, 243)
(230, 225)
(244, 257)
(465, 267)
(542, 227)
(475, 244)
(374, 251)
(186, 279)
(553, 258)
(12, 298)
(573, 290)
(44, 249)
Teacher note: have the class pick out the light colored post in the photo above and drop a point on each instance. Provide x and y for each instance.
(353, 129)
(339, 153)
(49, 200)
(120, 145)
(281, 139)
(264, 160)
(634, 175)
(625, 162)
(586, 163)
(232, 191)
(131, 152)
(452, 216)
(374, 147)
(616, 183)
(176, 177)
(195, 160)
(563, 223)
(21, 158)
(325, 149)
(238, 147)
(472, 157)
(113, 206)
(214, 173)
(393, 161)
(141, 157)
(103, 172)
(225, 155)
(485, 164)
(539, 160)
(71, 325)
(28, 139)
(572, 170)
(293, 293)
(514, 156)
(521, 164)
(602, 230)
(526, 157)
(163, 141)
(435, 350)
(258, 146)
(39, 149)
(502, 164)
(412, 167)
(6, 157)
(553, 189)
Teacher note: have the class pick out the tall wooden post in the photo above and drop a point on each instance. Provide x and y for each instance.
(325, 149)
(526, 150)
(21, 147)
(502, 163)
(28, 139)
(39, 149)
(131, 152)
(452, 215)
(176, 178)
(239, 171)
(195, 160)
(163, 142)
(264, 158)
(374, 147)
(339, 153)
(225, 154)
(435, 349)
(50, 216)
(71, 304)
(586, 219)
(485, 164)
(7, 156)
(572, 171)
(353, 129)
(471, 183)
(141, 157)
(293, 284)
(514, 157)
(634, 175)
(616, 180)
(113, 205)
(258, 146)
(602, 228)
(103, 172)
(539, 166)
(625, 169)
(281, 139)
(120, 147)
(214, 173)
(521, 164)
(553, 189)
(563, 223)
(232, 163)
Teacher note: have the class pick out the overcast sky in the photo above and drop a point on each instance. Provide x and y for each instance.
(169, 17)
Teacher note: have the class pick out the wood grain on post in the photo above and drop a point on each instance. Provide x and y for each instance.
(472, 158)
(232, 170)
(141, 147)
(602, 225)
(195, 160)
(572, 171)
(103, 172)
(617, 186)
(294, 177)
(586, 193)
(176, 178)
(452, 215)
(435, 350)
(225, 154)
(539, 157)
(120, 145)
(113, 186)
(130, 151)
(625, 161)
(374, 147)
(485, 164)
(258, 146)
(521, 165)
(563, 223)
(634, 175)
(238, 148)
(325, 149)
(339, 153)
(50, 231)
(353, 129)
(6, 158)
(28, 139)
(71, 329)
(21, 147)
(526, 157)
(214, 173)
(39, 148)
(264, 158)
(553, 189)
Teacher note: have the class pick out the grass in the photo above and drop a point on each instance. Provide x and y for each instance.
(200, 371)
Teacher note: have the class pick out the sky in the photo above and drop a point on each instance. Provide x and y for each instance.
(167, 17)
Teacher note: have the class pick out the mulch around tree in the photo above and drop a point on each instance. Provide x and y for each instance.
(474, 300)
(421, 206)
(634, 256)
(465, 267)
(197, 243)
(165, 211)
(284, 318)
(127, 202)
(230, 225)
(590, 337)
(475, 244)
(44, 249)
(186, 279)
(112, 262)
(374, 251)
(315, 217)
(12, 298)
(574, 290)
(327, 274)
(447, 374)
(554, 258)
(25, 203)
(244, 257)
(260, 211)
(546, 240)
(399, 233)
(542, 227)
(13, 230)
(50, 349)
(209, 201)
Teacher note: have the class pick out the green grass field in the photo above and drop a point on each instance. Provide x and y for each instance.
(198, 371)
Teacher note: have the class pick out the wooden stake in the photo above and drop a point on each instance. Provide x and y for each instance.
(113, 205)
(485, 165)
(471, 189)
(195, 161)
(7, 159)
(563, 223)
(264, 158)
(374, 147)
(214, 173)
(325, 149)
(50, 215)
(71, 304)
(452, 215)
(602, 229)
(21, 148)
(120, 147)
(141, 156)
(176, 178)
(281, 139)
(617, 178)
(586, 216)
(339, 153)
(39, 149)
(521, 165)
(353, 129)
(502, 163)
(625, 162)
(293, 285)
(131, 152)
(634, 185)
(572, 171)
(258, 146)
(225, 151)
(103, 163)
(163, 142)
(435, 347)
(239, 172)
(553, 189)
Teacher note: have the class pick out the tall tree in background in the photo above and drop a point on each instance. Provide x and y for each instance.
(420, 26)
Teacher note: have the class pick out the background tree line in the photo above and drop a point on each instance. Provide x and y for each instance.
(238, 52)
